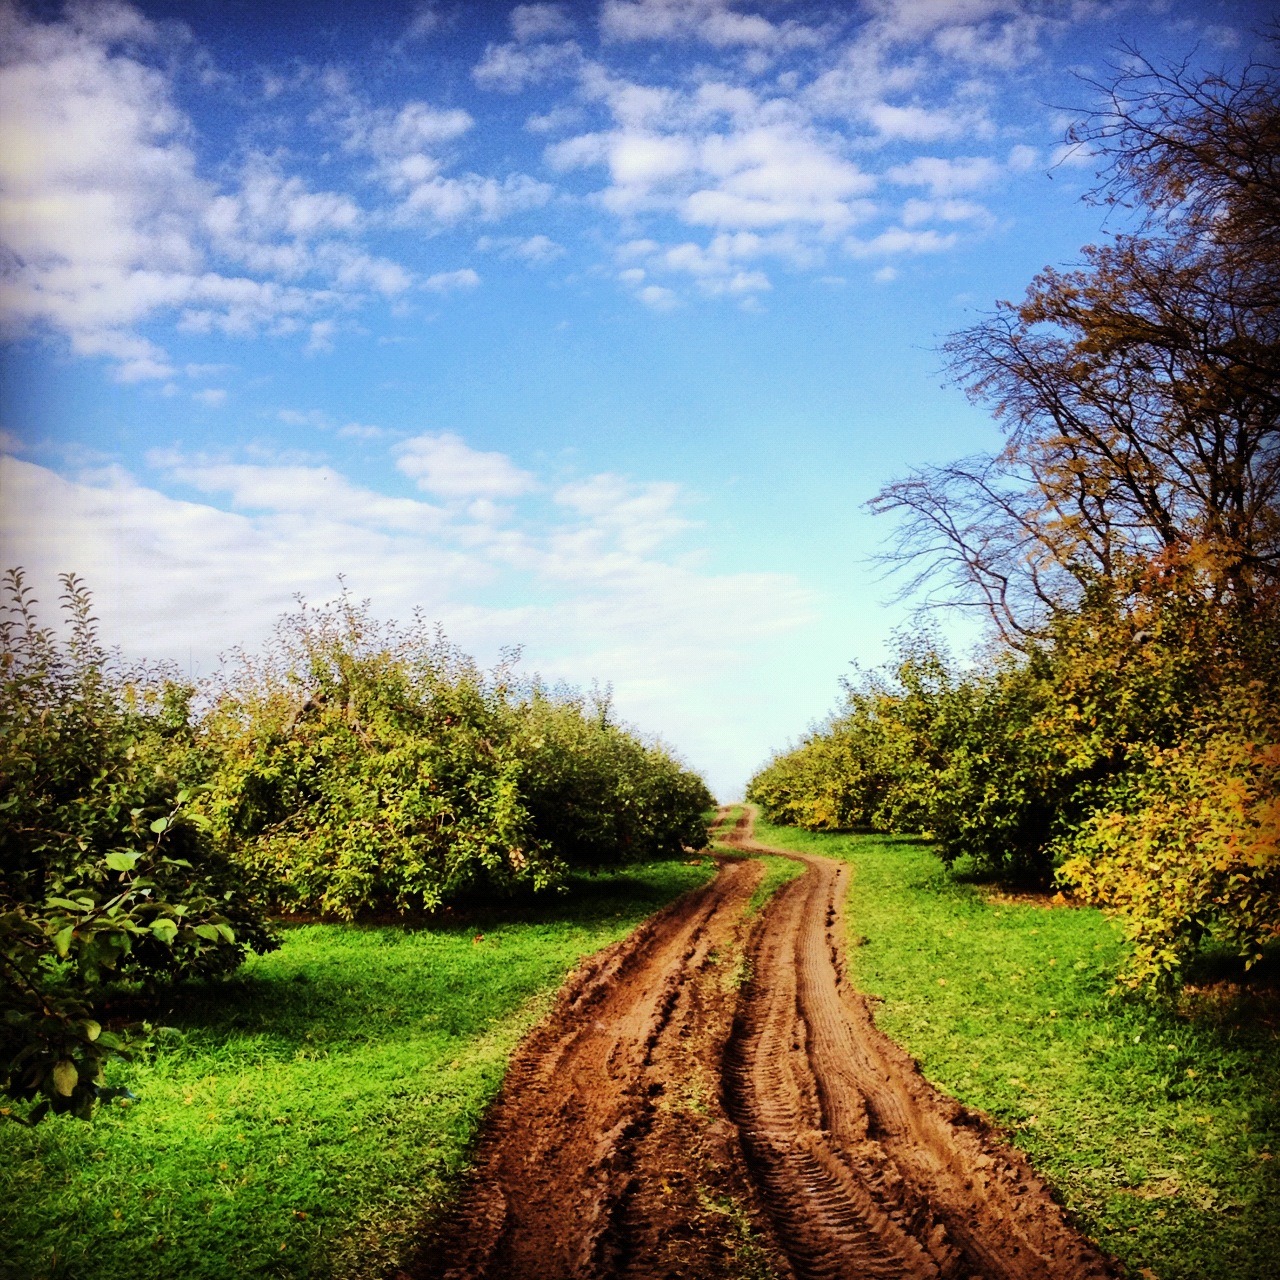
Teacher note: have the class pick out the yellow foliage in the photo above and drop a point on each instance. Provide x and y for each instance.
(1200, 853)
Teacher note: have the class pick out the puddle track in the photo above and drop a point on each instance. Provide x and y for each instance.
(666, 1111)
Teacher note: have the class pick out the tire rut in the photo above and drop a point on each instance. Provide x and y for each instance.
(675, 1117)
(607, 1139)
(866, 1170)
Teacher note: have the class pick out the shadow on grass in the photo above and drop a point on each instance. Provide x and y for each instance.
(305, 997)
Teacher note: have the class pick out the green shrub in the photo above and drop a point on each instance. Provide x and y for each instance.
(595, 792)
(365, 765)
(1134, 742)
(106, 873)
(1196, 853)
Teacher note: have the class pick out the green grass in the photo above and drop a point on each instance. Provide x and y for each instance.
(300, 1119)
(1157, 1130)
(777, 872)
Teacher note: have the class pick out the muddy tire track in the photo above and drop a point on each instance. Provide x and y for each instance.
(865, 1168)
(608, 1152)
(711, 1096)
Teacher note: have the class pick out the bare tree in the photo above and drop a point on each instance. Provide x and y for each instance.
(1140, 391)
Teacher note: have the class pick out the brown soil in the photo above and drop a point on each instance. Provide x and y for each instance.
(710, 1098)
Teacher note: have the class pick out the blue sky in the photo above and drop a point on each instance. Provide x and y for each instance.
(583, 327)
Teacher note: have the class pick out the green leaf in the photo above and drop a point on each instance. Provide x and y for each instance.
(62, 940)
(160, 825)
(65, 903)
(164, 929)
(65, 1077)
(92, 1030)
(207, 931)
(121, 861)
(227, 932)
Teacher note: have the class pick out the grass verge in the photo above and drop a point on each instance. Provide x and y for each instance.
(1158, 1130)
(300, 1119)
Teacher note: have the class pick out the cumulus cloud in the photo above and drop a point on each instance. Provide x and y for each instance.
(512, 68)
(916, 212)
(946, 177)
(536, 250)
(449, 281)
(713, 22)
(721, 268)
(718, 157)
(535, 21)
(448, 467)
(898, 241)
(98, 184)
(640, 516)
(991, 33)
(297, 490)
(109, 221)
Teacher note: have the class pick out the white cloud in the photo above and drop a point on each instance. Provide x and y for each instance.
(361, 431)
(103, 207)
(408, 146)
(451, 200)
(914, 123)
(320, 337)
(946, 177)
(319, 420)
(640, 516)
(390, 135)
(717, 269)
(1002, 34)
(917, 212)
(512, 68)
(537, 250)
(299, 418)
(535, 21)
(448, 467)
(298, 490)
(449, 281)
(657, 296)
(424, 22)
(712, 21)
(1023, 158)
(211, 397)
(762, 170)
(900, 240)
(97, 183)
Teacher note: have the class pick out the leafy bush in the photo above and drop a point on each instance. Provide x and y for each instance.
(367, 765)
(962, 758)
(362, 764)
(596, 793)
(1131, 751)
(1196, 853)
(106, 873)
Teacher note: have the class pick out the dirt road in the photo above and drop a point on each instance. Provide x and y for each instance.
(710, 1098)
